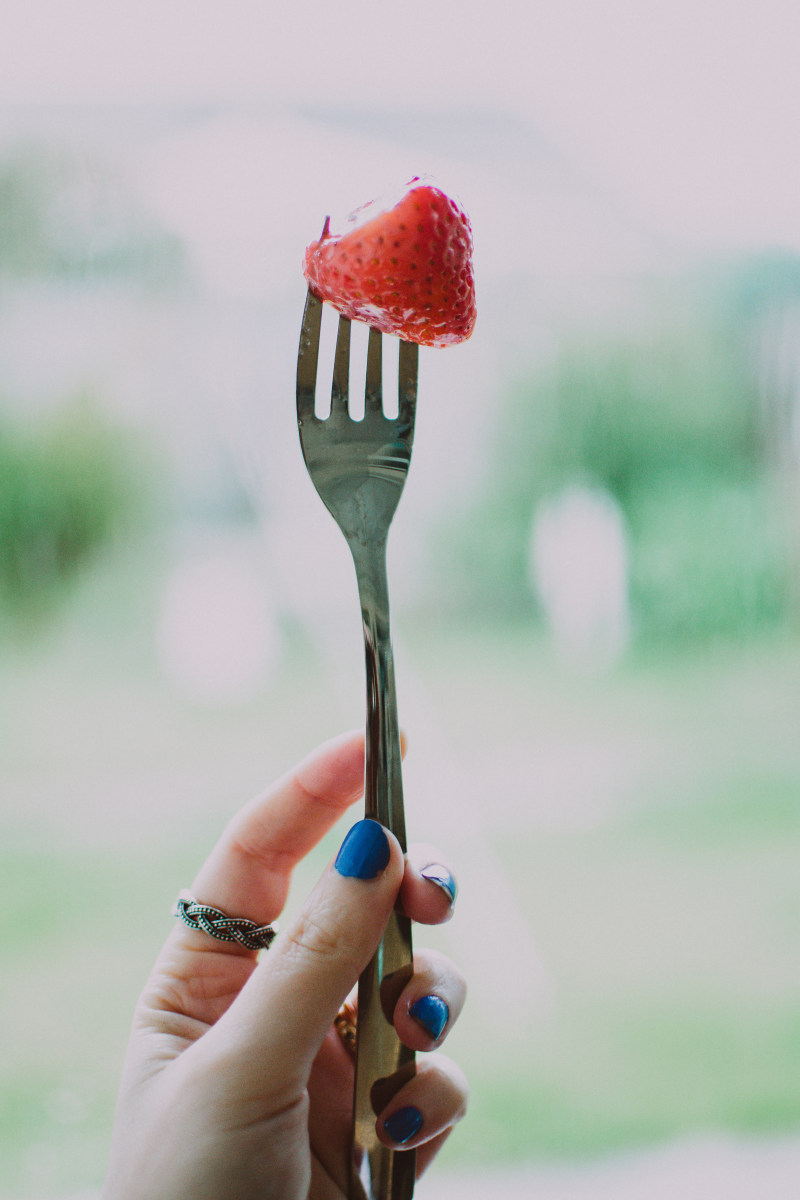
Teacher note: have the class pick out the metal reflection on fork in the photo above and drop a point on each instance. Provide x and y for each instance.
(359, 469)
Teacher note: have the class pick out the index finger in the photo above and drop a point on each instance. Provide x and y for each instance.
(248, 872)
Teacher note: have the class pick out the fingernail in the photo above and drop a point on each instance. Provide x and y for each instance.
(436, 873)
(431, 1013)
(403, 1125)
(365, 851)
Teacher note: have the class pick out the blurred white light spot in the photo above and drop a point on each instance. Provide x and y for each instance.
(579, 570)
(217, 632)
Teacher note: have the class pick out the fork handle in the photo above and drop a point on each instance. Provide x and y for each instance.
(383, 1063)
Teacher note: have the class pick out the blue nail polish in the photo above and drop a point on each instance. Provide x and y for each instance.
(365, 852)
(432, 1014)
(436, 873)
(403, 1125)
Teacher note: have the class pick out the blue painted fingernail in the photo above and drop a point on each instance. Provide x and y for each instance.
(436, 873)
(403, 1125)
(432, 1014)
(365, 852)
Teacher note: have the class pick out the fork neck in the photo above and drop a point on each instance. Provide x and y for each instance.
(383, 784)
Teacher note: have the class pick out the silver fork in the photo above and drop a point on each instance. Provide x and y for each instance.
(359, 469)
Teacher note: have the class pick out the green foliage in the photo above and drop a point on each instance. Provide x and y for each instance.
(669, 419)
(64, 488)
(709, 555)
(622, 413)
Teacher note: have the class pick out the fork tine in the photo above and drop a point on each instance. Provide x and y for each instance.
(408, 365)
(308, 356)
(373, 395)
(341, 369)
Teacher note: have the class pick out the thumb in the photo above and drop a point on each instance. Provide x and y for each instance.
(277, 1024)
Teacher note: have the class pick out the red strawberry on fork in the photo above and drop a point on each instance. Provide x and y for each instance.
(402, 264)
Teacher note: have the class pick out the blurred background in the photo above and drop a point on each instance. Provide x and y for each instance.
(595, 569)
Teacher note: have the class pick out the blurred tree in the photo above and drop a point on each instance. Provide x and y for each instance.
(670, 418)
(67, 479)
(65, 486)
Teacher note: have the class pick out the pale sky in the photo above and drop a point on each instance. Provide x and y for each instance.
(689, 109)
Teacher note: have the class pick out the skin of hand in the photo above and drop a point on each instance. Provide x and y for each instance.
(235, 1083)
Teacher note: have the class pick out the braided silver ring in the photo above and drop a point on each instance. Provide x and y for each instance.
(219, 925)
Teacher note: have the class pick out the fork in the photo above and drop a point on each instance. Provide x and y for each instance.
(359, 468)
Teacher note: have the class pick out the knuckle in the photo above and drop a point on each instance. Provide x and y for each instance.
(311, 938)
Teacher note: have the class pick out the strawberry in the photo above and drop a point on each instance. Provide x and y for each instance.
(403, 264)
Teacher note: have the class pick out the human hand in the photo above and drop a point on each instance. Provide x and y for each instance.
(236, 1084)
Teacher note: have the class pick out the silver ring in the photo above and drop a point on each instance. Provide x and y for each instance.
(219, 925)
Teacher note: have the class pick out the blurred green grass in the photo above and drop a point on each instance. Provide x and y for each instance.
(666, 915)
(669, 921)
